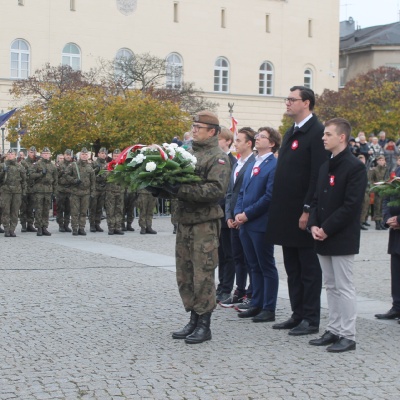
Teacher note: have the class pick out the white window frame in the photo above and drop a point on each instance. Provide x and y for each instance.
(266, 79)
(221, 75)
(72, 57)
(20, 59)
(308, 75)
(174, 73)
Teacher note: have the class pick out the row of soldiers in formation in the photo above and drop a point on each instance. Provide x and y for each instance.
(26, 189)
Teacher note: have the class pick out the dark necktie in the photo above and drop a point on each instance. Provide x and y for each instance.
(296, 128)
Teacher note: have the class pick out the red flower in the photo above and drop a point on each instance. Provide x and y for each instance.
(256, 170)
(111, 165)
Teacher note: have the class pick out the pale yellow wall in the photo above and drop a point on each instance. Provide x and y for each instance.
(100, 30)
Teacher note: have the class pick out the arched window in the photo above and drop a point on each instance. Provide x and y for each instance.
(122, 56)
(308, 81)
(71, 55)
(174, 71)
(266, 79)
(221, 75)
(20, 59)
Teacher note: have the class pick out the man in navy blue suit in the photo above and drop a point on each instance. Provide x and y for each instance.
(251, 214)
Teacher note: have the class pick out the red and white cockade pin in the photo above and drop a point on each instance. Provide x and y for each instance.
(295, 144)
(220, 161)
(237, 173)
(332, 180)
(256, 170)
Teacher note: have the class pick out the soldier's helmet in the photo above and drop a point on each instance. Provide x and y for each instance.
(46, 150)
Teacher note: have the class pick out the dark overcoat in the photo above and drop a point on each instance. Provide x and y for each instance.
(300, 157)
(394, 234)
(336, 207)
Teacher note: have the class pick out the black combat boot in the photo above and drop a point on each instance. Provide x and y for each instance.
(111, 231)
(174, 231)
(23, 226)
(189, 328)
(383, 226)
(129, 227)
(151, 231)
(202, 331)
(61, 228)
(1, 230)
(39, 232)
(81, 231)
(45, 232)
(31, 228)
(67, 229)
(378, 226)
(7, 233)
(98, 228)
(75, 232)
(118, 232)
(142, 231)
(12, 234)
(92, 228)
(123, 227)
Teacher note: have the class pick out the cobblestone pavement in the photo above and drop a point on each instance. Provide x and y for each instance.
(91, 318)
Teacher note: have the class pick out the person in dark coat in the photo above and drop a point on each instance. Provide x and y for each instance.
(335, 226)
(300, 157)
(391, 217)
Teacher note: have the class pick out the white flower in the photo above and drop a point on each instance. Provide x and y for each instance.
(193, 160)
(165, 145)
(171, 152)
(151, 166)
(180, 150)
(139, 158)
(174, 145)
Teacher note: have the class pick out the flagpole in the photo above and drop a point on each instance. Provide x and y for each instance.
(19, 137)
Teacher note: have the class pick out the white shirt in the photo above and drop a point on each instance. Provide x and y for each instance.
(259, 160)
(301, 123)
(239, 166)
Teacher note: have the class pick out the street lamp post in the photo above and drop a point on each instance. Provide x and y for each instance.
(2, 139)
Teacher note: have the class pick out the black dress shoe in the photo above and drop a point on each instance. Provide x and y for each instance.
(363, 228)
(288, 324)
(325, 339)
(264, 316)
(251, 312)
(304, 328)
(342, 345)
(391, 314)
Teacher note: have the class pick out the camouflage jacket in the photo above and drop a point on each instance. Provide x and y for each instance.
(198, 202)
(112, 187)
(43, 177)
(63, 185)
(85, 175)
(14, 179)
(101, 179)
(27, 163)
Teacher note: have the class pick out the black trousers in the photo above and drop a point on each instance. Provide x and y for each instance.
(304, 277)
(242, 269)
(395, 275)
(226, 265)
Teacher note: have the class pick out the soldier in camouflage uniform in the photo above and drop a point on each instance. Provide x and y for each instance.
(198, 216)
(43, 178)
(114, 203)
(146, 203)
(129, 210)
(97, 201)
(27, 205)
(13, 187)
(80, 175)
(378, 174)
(64, 194)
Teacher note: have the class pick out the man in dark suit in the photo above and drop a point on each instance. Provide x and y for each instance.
(335, 226)
(251, 214)
(244, 144)
(300, 157)
(226, 265)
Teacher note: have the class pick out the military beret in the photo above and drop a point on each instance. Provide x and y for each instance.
(84, 150)
(117, 151)
(68, 152)
(103, 150)
(46, 150)
(32, 148)
(206, 117)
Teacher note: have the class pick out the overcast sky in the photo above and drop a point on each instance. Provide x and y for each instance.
(370, 12)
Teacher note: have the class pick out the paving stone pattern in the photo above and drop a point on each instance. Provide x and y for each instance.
(79, 323)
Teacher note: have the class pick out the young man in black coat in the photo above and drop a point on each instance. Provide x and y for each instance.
(300, 157)
(335, 226)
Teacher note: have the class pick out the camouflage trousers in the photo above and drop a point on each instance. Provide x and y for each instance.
(174, 206)
(42, 203)
(196, 259)
(365, 208)
(96, 208)
(63, 208)
(26, 209)
(146, 203)
(114, 206)
(377, 207)
(79, 207)
(129, 207)
(10, 204)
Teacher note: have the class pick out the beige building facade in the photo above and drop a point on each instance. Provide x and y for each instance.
(244, 52)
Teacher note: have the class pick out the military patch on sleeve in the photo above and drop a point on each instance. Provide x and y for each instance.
(220, 161)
